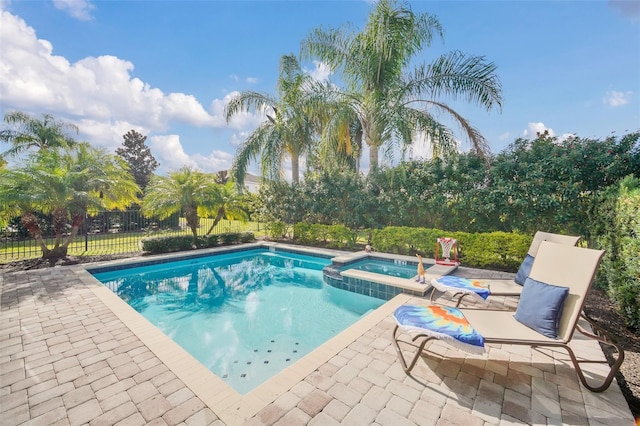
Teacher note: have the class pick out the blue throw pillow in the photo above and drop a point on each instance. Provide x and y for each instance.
(540, 306)
(525, 269)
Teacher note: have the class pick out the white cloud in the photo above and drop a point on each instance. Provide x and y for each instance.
(504, 136)
(214, 162)
(236, 78)
(421, 148)
(107, 134)
(185, 109)
(563, 137)
(321, 72)
(534, 128)
(239, 138)
(615, 98)
(168, 151)
(99, 94)
(79, 9)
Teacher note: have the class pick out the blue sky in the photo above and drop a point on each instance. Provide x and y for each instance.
(166, 68)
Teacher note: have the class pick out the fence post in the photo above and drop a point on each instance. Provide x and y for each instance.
(86, 233)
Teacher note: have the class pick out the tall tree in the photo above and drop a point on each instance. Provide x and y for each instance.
(393, 101)
(66, 183)
(138, 156)
(23, 131)
(287, 132)
(187, 191)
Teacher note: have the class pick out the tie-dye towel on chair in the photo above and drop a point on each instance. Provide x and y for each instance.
(441, 322)
(474, 288)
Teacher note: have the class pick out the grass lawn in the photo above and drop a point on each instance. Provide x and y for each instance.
(117, 242)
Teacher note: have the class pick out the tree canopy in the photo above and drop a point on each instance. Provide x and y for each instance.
(188, 191)
(392, 101)
(66, 183)
(287, 131)
(23, 132)
(138, 156)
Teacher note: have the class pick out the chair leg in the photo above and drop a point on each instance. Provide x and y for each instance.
(462, 296)
(433, 293)
(614, 368)
(408, 367)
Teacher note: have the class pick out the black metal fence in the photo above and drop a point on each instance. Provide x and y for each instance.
(108, 232)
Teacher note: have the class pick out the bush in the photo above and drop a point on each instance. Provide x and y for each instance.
(208, 241)
(302, 233)
(230, 238)
(620, 238)
(341, 237)
(247, 237)
(334, 236)
(277, 230)
(168, 244)
(406, 240)
(499, 250)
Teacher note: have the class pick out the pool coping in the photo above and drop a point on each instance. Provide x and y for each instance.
(229, 405)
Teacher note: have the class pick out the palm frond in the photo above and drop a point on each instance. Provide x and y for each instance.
(458, 75)
(27, 132)
(248, 101)
(249, 151)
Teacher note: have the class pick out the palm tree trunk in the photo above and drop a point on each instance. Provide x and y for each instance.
(77, 220)
(191, 214)
(295, 168)
(373, 158)
(30, 222)
(218, 218)
(59, 224)
(358, 149)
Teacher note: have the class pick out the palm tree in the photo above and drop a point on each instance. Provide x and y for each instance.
(187, 191)
(229, 205)
(67, 184)
(288, 130)
(391, 102)
(25, 132)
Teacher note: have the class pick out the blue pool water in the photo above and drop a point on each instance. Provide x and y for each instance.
(245, 315)
(386, 267)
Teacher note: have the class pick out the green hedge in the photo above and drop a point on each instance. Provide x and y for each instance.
(620, 238)
(277, 230)
(167, 244)
(333, 236)
(492, 250)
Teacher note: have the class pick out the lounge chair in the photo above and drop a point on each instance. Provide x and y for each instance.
(482, 288)
(557, 269)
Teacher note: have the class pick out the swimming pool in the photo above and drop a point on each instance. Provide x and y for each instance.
(400, 269)
(244, 315)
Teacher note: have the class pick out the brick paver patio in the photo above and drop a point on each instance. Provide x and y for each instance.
(67, 359)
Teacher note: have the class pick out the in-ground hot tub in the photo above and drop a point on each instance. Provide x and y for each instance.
(390, 267)
(382, 275)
